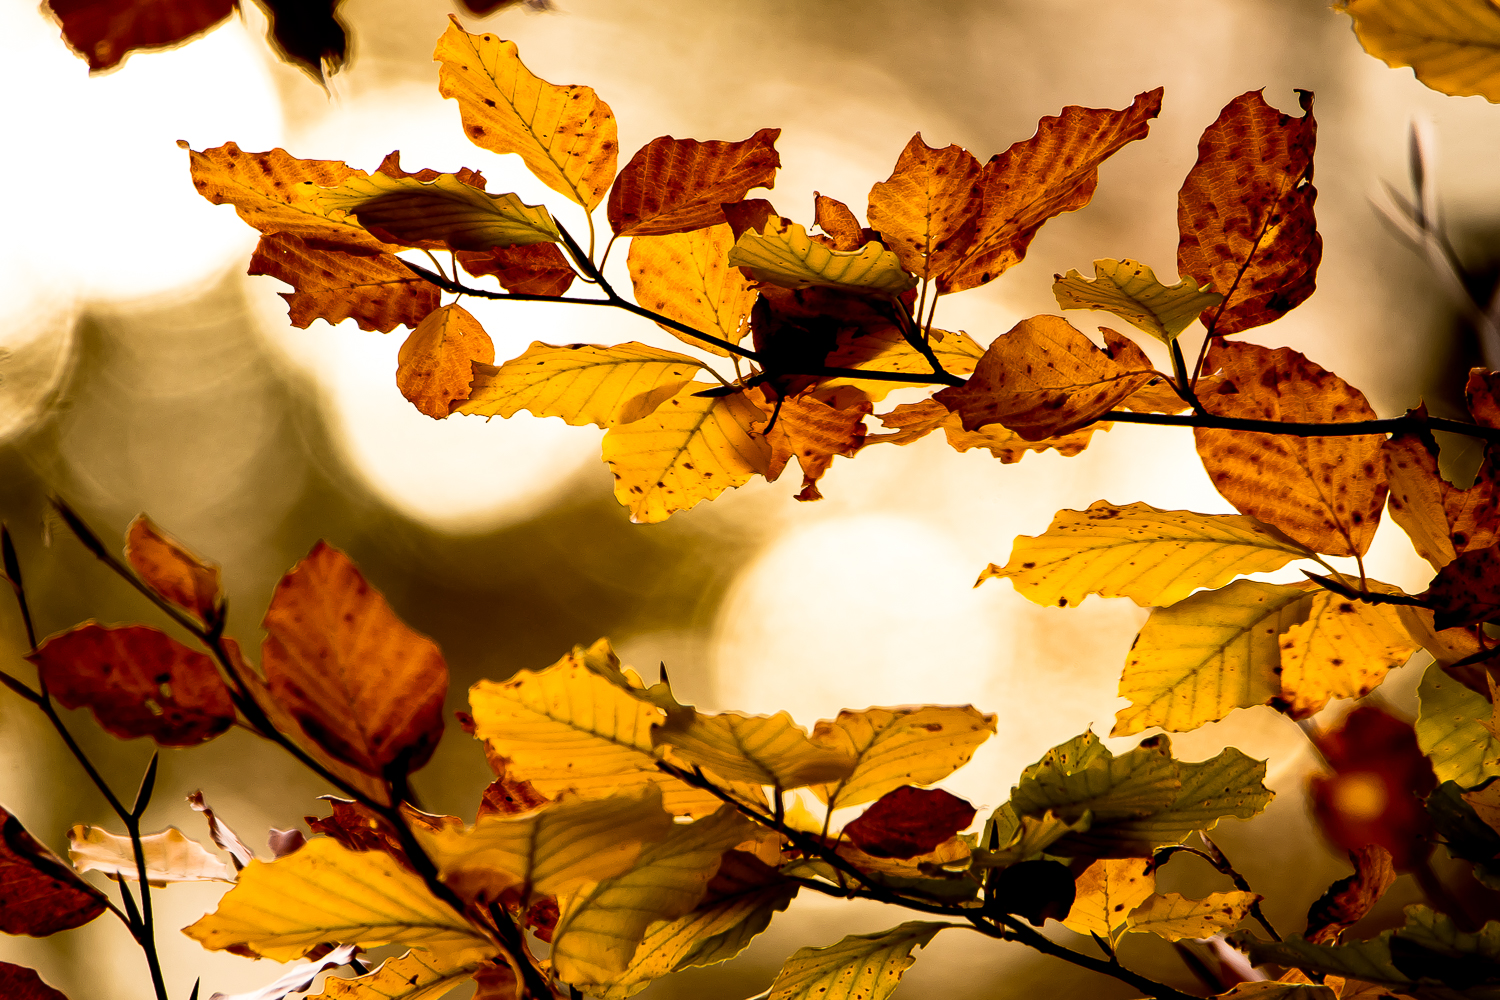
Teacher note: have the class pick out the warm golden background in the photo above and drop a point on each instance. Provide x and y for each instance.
(141, 370)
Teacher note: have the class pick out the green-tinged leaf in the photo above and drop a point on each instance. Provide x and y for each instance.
(325, 892)
(1153, 557)
(760, 749)
(417, 975)
(1174, 917)
(1206, 655)
(1453, 46)
(1106, 893)
(1466, 823)
(1131, 291)
(785, 255)
(1452, 731)
(443, 214)
(892, 747)
(1024, 838)
(1367, 960)
(860, 967)
(171, 856)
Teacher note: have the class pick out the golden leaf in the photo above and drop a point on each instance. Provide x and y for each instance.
(1106, 893)
(687, 277)
(1131, 291)
(783, 254)
(434, 364)
(759, 749)
(911, 421)
(1442, 521)
(925, 211)
(417, 975)
(892, 747)
(1342, 650)
(1174, 917)
(1453, 46)
(860, 967)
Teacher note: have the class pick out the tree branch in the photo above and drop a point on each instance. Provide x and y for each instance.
(1409, 423)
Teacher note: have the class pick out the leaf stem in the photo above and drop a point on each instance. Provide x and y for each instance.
(1184, 382)
(1220, 863)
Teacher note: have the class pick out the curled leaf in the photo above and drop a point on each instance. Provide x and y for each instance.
(443, 214)
(171, 856)
(1131, 291)
(435, 363)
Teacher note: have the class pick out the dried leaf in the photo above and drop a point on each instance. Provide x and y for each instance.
(1466, 591)
(173, 570)
(907, 821)
(372, 287)
(310, 36)
(1272, 990)
(1343, 649)
(39, 893)
(1105, 894)
(1350, 899)
(815, 433)
(686, 277)
(860, 967)
(435, 363)
(297, 978)
(1441, 520)
(758, 749)
(104, 32)
(443, 214)
(1174, 917)
(911, 421)
(1452, 730)
(1131, 291)
(892, 747)
(678, 185)
(420, 974)
(171, 856)
(926, 210)
(883, 348)
(533, 269)
(1451, 45)
(223, 837)
(510, 796)
(783, 254)
(20, 983)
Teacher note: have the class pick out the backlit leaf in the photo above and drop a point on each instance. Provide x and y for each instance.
(815, 433)
(1025, 838)
(1349, 900)
(1467, 590)
(925, 211)
(1440, 519)
(39, 893)
(418, 975)
(372, 287)
(533, 269)
(365, 898)
(223, 837)
(838, 222)
(677, 185)
(892, 747)
(1043, 378)
(784, 255)
(1269, 989)
(910, 421)
(860, 967)
(1245, 213)
(363, 686)
(1054, 171)
(1326, 492)
(296, 978)
(138, 681)
(1342, 650)
(1174, 917)
(20, 983)
(171, 856)
(435, 363)
(907, 821)
(566, 134)
(1452, 730)
(759, 749)
(1206, 655)
(1153, 557)
(442, 214)
(173, 570)
(104, 32)
(1105, 894)
(1453, 46)
(687, 277)
(885, 349)
(1131, 291)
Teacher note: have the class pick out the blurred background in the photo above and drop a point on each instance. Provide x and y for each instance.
(141, 370)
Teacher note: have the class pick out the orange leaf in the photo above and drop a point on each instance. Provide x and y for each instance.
(926, 211)
(1245, 213)
(1483, 393)
(1467, 590)
(533, 269)
(686, 277)
(1054, 171)
(363, 686)
(1043, 378)
(677, 185)
(1325, 492)
(834, 218)
(435, 363)
(172, 570)
(1441, 519)
(104, 32)
(39, 893)
(138, 681)
(814, 432)
(916, 420)
(373, 287)
(1348, 900)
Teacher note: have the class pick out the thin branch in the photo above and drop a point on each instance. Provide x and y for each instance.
(1343, 590)
(1220, 863)
(1014, 929)
(1410, 423)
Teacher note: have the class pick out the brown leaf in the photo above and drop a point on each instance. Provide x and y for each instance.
(908, 821)
(1054, 171)
(814, 432)
(750, 214)
(173, 570)
(1245, 213)
(391, 167)
(1449, 646)
(223, 837)
(372, 287)
(1466, 591)
(1043, 379)
(1441, 519)
(20, 983)
(834, 218)
(1348, 900)
(1325, 492)
(358, 828)
(926, 210)
(104, 32)
(39, 893)
(496, 981)
(506, 796)
(1483, 393)
(678, 185)
(533, 269)
(435, 364)
(911, 421)
(363, 686)
(138, 681)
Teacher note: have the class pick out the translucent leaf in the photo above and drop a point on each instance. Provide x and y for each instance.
(296, 979)
(759, 749)
(442, 214)
(1105, 894)
(1174, 917)
(533, 269)
(435, 363)
(373, 288)
(172, 570)
(1131, 291)
(860, 967)
(1453, 46)
(892, 747)
(1344, 649)
(1350, 900)
(677, 185)
(1441, 520)
(925, 211)
(171, 856)
(1453, 730)
(417, 975)
(785, 255)
(687, 277)
(911, 421)
(1466, 591)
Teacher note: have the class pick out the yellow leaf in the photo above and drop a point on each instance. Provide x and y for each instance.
(1453, 46)
(325, 892)
(1131, 291)
(911, 421)
(860, 967)
(566, 135)
(434, 364)
(443, 214)
(1452, 731)
(1175, 917)
(1206, 655)
(171, 856)
(1342, 650)
(417, 975)
(1106, 893)
(599, 932)
(691, 448)
(1153, 557)
(761, 749)
(785, 255)
(892, 747)
(686, 277)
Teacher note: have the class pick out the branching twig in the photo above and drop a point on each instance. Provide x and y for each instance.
(1220, 863)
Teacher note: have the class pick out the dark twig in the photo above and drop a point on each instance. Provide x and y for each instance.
(1368, 597)
(1184, 387)
(1411, 422)
(1220, 863)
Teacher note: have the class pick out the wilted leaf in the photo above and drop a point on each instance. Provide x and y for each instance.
(173, 570)
(783, 254)
(1044, 378)
(892, 747)
(677, 185)
(363, 686)
(860, 967)
(759, 749)
(435, 363)
(565, 134)
(171, 856)
(296, 979)
(533, 269)
(223, 837)
(1174, 917)
(1105, 894)
(1440, 519)
(1466, 591)
(138, 681)
(1153, 557)
(1343, 649)
(359, 828)
(443, 214)
(372, 287)
(418, 975)
(365, 898)
(1453, 731)
(1350, 899)
(907, 821)
(104, 32)
(686, 277)
(1206, 655)
(20, 983)
(1245, 213)
(1054, 171)
(925, 211)
(1131, 291)
(1453, 46)
(1326, 492)
(39, 893)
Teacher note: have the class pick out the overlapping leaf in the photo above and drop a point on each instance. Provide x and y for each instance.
(1106, 893)
(20, 983)
(892, 747)
(1349, 900)
(435, 363)
(907, 821)
(1131, 291)
(1174, 916)
(171, 856)
(686, 277)
(1453, 46)
(39, 893)
(1453, 730)
(173, 570)
(912, 421)
(371, 287)
(925, 211)
(533, 269)
(442, 214)
(1441, 520)
(885, 349)
(417, 975)
(783, 254)
(860, 967)
(1343, 649)
(678, 185)
(1466, 591)
(1269, 989)
(815, 433)
(758, 749)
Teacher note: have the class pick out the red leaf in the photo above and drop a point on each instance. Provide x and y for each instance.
(104, 32)
(908, 821)
(678, 185)
(39, 894)
(534, 269)
(172, 569)
(1375, 794)
(1348, 900)
(20, 983)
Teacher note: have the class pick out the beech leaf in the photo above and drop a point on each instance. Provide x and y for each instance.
(892, 747)
(925, 211)
(297, 978)
(1131, 291)
(530, 269)
(171, 856)
(435, 363)
(911, 421)
(1349, 900)
(1343, 649)
(677, 185)
(1453, 730)
(1466, 591)
(39, 893)
(1453, 46)
(884, 349)
(372, 287)
(907, 821)
(442, 214)
(173, 570)
(1441, 520)
(223, 837)
(860, 967)
(1105, 893)
(1270, 989)
(104, 32)
(1174, 916)
(20, 983)
(784, 255)
(419, 974)
(758, 749)
(687, 277)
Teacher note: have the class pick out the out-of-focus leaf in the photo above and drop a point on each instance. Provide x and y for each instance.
(1453, 46)
(1039, 890)
(308, 34)
(892, 747)
(686, 277)
(1374, 794)
(39, 893)
(759, 749)
(532, 269)
(926, 210)
(173, 570)
(296, 979)
(860, 967)
(20, 983)
(371, 287)
(138, 681)
(677, 185)
(907, 821)
(1440, 519)
(223, 837)
(435, 363)
(1343, 649)
(418, 975)
(1350, 899)
(1174, 916)
(104, 32)
(784, 255)
(1453, 730)
(1466, 591)
(1131, 291)
(443, 214)
(171, 856)
(1106, 893)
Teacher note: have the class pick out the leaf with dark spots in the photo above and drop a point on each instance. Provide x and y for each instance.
(679, 185)
(908, 821)
(172, 570)
(839, 223)
(1441, 520)
(39, 893)
(533, 269)
(373, 288)
(1466, 591)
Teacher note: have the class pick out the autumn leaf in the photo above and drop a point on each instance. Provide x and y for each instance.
(435, 363)
(138, 681)
(372, 287)
(173, 570)
(363, 686)
(885, 349)
(419, 974)
(442, 214)
(532, 269)
(912, 421)
(1273, 990)
(1441, 520)
(1343, 649)
(860, 967)
(839, 223)
(678, 185)
(1374, 793)
(1174, 917)
(297, 978)
(1054, 171)
(1043, 378)
(1452, 730)
(907, 821)
(365, 898)
(687, 277)
(758, 749)
(565, 134)
(39, 893)
(926, 210)
(1206, 655)
(20, 983)
(783, 254)
(1153, 557)
(1105, 894)
(1466, 591)
(1131, 291)
(892, 747)
(1024, 838)
(1350, 899)
(171, 856)
(815, 433)
(1453, 46)
(104, 32)
(223, 837)
(1245, 214)
(1326, 492)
